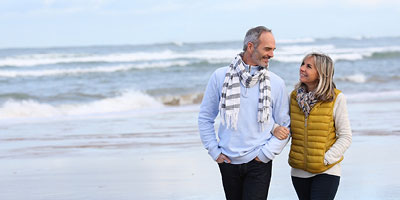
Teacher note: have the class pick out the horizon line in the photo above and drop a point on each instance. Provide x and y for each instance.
(181, 43)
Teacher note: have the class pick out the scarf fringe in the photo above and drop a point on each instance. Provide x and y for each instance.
(263, 119)
(230, 120)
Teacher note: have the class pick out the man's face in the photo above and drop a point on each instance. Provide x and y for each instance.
(261, 54)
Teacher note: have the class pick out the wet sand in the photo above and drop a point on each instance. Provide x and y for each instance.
(369, 171)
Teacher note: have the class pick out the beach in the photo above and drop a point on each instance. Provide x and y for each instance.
(173, 166)
(149, 171)
(120, 122)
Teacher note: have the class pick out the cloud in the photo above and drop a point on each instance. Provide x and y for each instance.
(370, 3)
(51, 7)
(101, 7)
(154, 7)
(48, 2)
(160, 8)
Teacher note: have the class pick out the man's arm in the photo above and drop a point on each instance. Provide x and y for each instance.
(280, 114)
(209, 109)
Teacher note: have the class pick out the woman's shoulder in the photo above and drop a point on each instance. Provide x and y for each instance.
(340, 101)
(340, 96)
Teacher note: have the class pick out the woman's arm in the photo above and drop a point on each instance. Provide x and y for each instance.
(343, 131)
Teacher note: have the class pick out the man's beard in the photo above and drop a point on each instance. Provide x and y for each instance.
(258, 59)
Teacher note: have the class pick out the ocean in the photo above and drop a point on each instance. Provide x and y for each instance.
(130, 95)
(87, 101)
(130, 87)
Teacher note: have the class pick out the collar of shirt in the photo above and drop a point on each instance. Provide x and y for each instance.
(252, 69)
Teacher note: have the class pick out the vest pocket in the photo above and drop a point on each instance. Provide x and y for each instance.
(323, 157)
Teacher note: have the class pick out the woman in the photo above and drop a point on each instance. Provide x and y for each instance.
(320, 129)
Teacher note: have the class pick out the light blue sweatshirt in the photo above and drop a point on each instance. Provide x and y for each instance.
(247, 142)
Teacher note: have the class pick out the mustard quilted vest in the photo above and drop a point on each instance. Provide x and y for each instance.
(313, 136)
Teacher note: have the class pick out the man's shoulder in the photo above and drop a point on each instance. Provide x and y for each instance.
(275, 78)
(220, 72)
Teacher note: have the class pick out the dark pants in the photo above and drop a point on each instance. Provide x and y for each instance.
(323, 186)
(246, 181)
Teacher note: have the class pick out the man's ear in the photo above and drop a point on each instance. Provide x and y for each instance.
(250, 47)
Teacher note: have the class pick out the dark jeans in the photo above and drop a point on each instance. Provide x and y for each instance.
(322, 186)
(246, 181)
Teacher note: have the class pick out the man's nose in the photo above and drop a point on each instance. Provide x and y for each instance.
(271, 54)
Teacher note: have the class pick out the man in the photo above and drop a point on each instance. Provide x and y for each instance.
(251, 101)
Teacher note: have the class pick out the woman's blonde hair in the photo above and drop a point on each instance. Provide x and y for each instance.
(325, 90)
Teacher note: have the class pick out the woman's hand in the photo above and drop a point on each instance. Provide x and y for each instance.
(281, 132)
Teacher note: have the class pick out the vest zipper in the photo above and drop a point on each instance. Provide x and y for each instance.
(305, 143)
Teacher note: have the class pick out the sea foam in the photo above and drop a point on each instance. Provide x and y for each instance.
(79, 70)
(130, 100)
(47, 59)
(382, 96)
(297, 40)
(355, 78)
(288, 53)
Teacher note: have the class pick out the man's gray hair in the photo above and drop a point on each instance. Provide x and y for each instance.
(253, 36)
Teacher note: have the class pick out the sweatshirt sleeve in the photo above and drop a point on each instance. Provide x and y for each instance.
(209, 109)
(343, 131)
(280, 114)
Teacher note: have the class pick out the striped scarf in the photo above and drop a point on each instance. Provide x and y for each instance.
(306, 100)
(230, 100)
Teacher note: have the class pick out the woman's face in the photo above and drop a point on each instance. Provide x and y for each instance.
(309, 73)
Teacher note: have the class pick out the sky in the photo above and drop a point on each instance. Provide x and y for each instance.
(49, 23)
